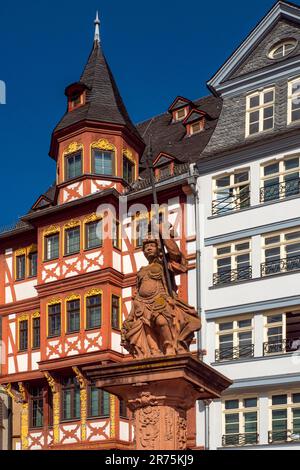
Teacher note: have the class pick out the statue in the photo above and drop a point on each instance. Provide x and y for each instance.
(159, 323)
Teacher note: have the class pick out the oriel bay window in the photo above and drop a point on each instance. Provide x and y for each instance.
(51, 246)
(72, 240)
(232, 262)
(285, 417)
(73, 165)
(281, 252)
(240, 417)
(73, 315)
(234, 339)
(128, 170)
(260, 111)
(99, 403)
(23, 335)
(54, 320)
(93, 234)
(231, 192)
(93, 311)
(280, 179)
(70, 399)
(103, 162)
(115, 312)
(36, 407)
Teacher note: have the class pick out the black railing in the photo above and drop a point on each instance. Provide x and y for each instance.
(177, 170)
(240, 439)
(281, 346)
(226, 277)
(292, 263)
(233, 353)
(232, 203)
(280, 190)
(286, 435)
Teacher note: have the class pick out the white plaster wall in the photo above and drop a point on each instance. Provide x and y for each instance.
(124, 431)
(117, 261)
(115, 343)
(26, 290)
(35, 358)
(22, 360)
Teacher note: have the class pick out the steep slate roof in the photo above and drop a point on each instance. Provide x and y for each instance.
(103, 100)
(170, 137)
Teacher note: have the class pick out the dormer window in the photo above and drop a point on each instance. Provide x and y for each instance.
(76, 95)
(180, 114)
(76, 100)
(196, 127)
(282, 49)
(180, 108)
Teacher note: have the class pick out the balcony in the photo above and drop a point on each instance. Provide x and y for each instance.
(283, 265)
(240, 439)
(280, 190)
(227, 277)
(282, 346)
(286, 435)
(231, 203)
(234, 353)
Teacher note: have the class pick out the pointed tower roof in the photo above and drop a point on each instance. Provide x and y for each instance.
(103, 100)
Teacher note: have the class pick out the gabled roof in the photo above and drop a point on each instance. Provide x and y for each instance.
(179, 102)
(194, 115)
(281, 9)
(162, 159)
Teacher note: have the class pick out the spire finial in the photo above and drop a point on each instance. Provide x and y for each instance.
(97, 29)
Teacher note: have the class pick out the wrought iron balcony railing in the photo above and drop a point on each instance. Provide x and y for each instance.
(281, 346)
(232, 203)
(236, 352)
(226, 277)
(280, 190)
(286, 435)
(292, 263)
(240, 439)
(179, 169)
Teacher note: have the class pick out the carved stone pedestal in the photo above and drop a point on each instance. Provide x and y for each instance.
(159, 391)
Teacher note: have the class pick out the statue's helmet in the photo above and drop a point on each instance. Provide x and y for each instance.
(150, 239)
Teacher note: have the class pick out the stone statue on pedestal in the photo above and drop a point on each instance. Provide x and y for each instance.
(159, 322)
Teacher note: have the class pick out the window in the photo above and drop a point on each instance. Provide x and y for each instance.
(294, 100)
(123, 409)
(54, 320)
(75, 100)
(93, 311)
(281, 252)
(73, 165)
(70, 399)
(20, 267)
(128, 170)
(196, 127)
(180, 114)
(116, 234)
(23, 335)
(32, 260)
(234, 339)
(51, 246)
(141, 225)
(37, 407)
(99, 402)
(232, 262)
(73, 315)
(164, 171)
(240, 417)
(103, 162)
(280, 179)
(115, 312)
(285, 417)
(260, 111)
(282, 49)
(93, 234)
(72, 240)
(36, 332)
(231, 192)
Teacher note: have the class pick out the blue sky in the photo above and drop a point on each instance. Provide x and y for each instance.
(157, 50)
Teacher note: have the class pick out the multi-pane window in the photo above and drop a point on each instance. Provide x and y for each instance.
(73, 165)
(36, 407)
(73, 315)
(283, 49)
(180, 114)
(93, 234)
(36, 332)
(141, 225)
(240, 418)
(23, 335)
(51, 246)
(274, 333)
(128, 170)
(115, 312)
(260, 111)
(116, 234)
(20, 267)
(103, 162)
(70, 391)
(285, 417)
(72, 240)
(54, 320)
(281, 252)
(231, 192)
(232, 262)
(234, 339)
(93, 311)
(280, 179)
(99, 402)
(196, 127)
(294, 100)
(32, 268)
